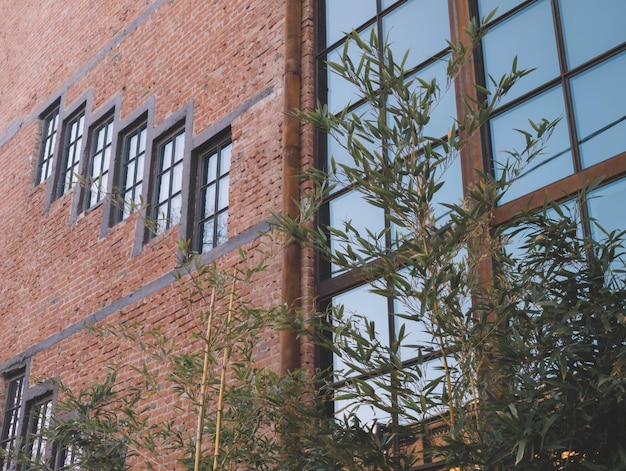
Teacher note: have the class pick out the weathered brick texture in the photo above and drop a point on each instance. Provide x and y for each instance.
(226, 59)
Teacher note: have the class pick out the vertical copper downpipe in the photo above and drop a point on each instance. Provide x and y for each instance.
(291, 261)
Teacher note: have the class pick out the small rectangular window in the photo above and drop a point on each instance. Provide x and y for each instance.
(99, 162)
(167, 200)
(133, 158)
(47, 147)
(35, 444)
(11, 421)
(72, 148)
(212, 197)
(66, 458)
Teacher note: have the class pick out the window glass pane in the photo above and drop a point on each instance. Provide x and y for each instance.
(435, 370)
(207, 235)
(362, 216)
(341, 156)
(487, 6)
(130, 176)
(388, 3)
(97, 166)
(222, 226)
(107, 159)
(136, 196)
(537, 50)
(180, 146)
(600, 105)
(225, 156)
(209, 202)
(222, 198)
(602, 22)
(100, 136)
(452, 190)
(512, 242)
(416, 332)
(164, 187)
(142, 140)
(211, 167)
(132, 146)
(177, 178)
(342, 16)
(606, 206)
(366, 410)
(429, 27)
(553, 163)
(361, 302)
(139, 169)
(175, 210)
(340, 91)
(443, 110)
(167, 155)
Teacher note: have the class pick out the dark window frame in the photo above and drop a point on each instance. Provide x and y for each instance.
(212, 147)
(180, 120)
(48, 144)
(570, 184)
(31, 396)
(35, 445)
(144, 114)
(106, 124)
(168, 169)
(128, 159)
(72, 150)
(15, 386)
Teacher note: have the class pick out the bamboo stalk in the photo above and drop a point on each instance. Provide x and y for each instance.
(203, 385)
(220, 402)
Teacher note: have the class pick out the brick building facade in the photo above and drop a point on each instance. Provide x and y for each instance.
(139, 98)
(174, 103)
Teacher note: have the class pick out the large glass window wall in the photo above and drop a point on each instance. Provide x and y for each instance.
(576, 80)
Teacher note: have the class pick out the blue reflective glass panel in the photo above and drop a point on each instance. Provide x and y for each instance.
(512, 243)
(362, 302)
(450, 175)
(534, 51)
(553, 163)
(340, 91)
(363, 407)
(339, 155)
(487, 6)
(591, 27)
(419, 26)
(342, 16)
(354, 210)
(606, 206)
(443, 111)
(417, 332)
(452, 190)
(388, 3)
(599, 99)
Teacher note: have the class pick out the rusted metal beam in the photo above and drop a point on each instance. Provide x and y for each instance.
(291, 261)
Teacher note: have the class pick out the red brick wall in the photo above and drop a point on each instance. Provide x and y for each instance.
(54, 272)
